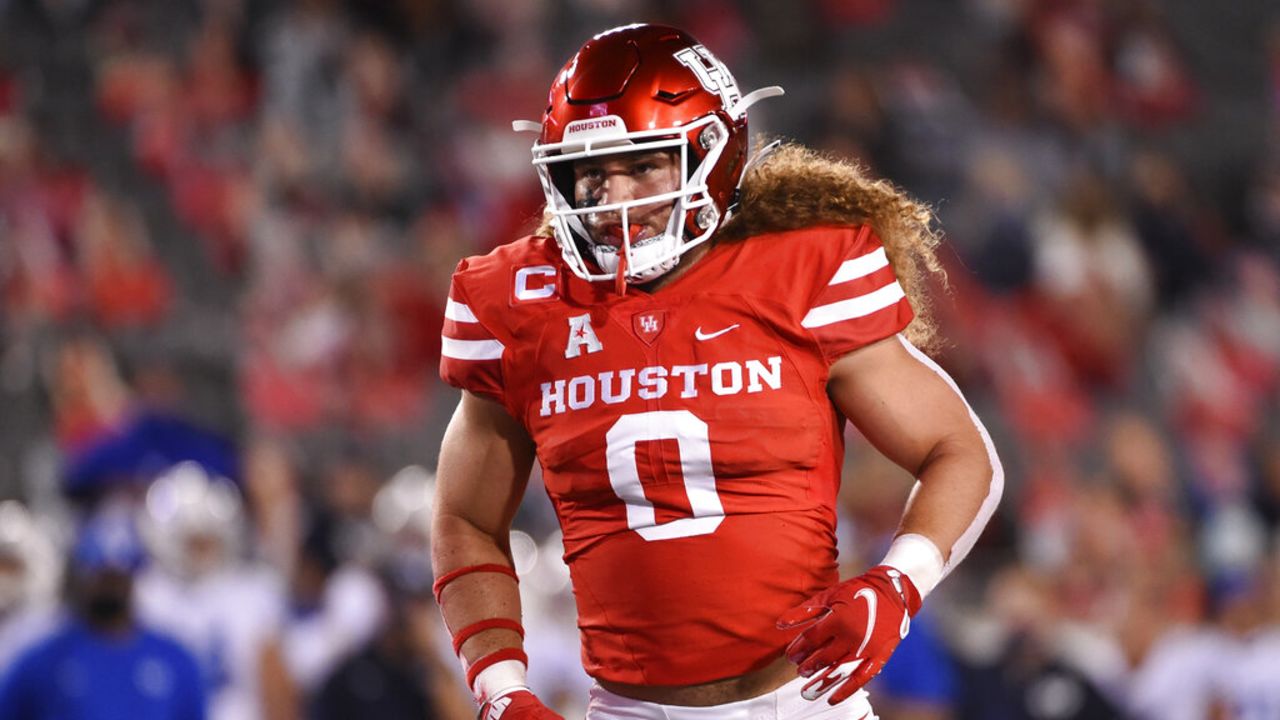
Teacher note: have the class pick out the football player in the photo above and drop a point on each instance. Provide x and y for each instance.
(226, 610)
(679, 347)
(100, 661)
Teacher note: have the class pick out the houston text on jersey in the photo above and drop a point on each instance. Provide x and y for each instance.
(655, 381)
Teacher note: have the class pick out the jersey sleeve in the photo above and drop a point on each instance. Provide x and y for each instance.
(470, 354)
(861, 300)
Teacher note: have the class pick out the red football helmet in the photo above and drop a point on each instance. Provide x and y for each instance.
(640, 88)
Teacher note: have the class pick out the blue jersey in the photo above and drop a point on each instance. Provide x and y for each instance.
(78, 674)
(921, 670)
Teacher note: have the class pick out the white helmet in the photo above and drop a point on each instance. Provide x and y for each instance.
(192, 521)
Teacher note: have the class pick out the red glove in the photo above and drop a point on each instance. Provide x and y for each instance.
(516, 704)
(852, 629)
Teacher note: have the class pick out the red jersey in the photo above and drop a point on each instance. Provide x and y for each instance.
(686, 438)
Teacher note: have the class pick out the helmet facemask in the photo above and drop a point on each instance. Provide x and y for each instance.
(694, 216)
(635, 89)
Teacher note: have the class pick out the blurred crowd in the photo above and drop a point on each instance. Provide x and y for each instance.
(226, 235)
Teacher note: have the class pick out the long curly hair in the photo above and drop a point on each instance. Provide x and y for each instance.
(796, 187)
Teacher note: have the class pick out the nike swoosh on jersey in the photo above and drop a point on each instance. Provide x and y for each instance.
(707, 336)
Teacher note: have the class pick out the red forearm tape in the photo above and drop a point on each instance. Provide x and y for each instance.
(492, 658)
(478, 627)
(443, 580)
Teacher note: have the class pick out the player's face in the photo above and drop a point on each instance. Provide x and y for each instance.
(204, 552)
(620, 178)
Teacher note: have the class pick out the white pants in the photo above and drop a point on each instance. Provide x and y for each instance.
(784, 703)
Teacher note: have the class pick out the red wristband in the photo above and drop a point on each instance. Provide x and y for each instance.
(438, 586)
(493, 658)
(478, 627)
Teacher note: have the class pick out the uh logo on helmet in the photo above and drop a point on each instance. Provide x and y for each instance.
(641, 88)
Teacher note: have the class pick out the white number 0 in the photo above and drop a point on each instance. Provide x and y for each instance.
(690, 434)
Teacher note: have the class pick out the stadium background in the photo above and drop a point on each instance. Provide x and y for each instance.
(227, 229)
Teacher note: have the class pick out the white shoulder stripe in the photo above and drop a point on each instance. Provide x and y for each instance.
(458, 312)
(861, 266)
(470, 349)
(854, 307)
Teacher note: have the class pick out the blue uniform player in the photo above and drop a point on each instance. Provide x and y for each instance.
(100, 664)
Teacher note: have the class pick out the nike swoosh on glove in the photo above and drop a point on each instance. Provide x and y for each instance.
(516, 704)
(850, 630)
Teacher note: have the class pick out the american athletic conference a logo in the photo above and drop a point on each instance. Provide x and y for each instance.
(581, 337)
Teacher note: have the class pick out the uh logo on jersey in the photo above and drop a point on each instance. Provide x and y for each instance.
(648, 325)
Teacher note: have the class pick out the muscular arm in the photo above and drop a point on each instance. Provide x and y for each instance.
(910, 410)
(484, 466)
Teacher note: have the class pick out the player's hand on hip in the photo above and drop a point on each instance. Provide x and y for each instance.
(516, 704)
(848, 632)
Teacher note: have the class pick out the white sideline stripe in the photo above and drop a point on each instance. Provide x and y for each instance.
(861, 266)
(969, 537)
(854, 307)
(458, 312)
(470, 349)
